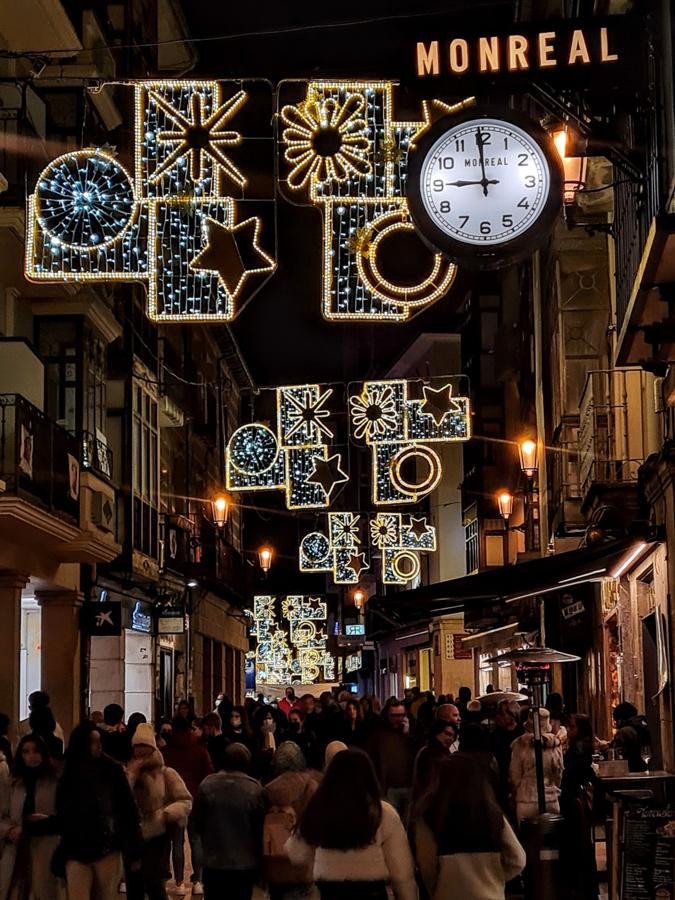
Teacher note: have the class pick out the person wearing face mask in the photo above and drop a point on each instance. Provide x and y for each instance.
(238, 730)
(266, 732)
(299, 734)
(28, 824)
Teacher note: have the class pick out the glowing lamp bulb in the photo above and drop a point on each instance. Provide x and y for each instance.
(505, 503)
(265, 556)
(528, 452)
(220, 506)
(359, 598)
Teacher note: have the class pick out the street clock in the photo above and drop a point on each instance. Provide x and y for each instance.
(483, 188)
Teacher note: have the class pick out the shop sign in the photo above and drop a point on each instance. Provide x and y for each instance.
(101, 618)
(141, 620)
(171, 620)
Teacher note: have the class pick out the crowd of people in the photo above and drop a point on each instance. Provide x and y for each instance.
(334, 795)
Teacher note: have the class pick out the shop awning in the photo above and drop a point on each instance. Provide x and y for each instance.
(515, 582)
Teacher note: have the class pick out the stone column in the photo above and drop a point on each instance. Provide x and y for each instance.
(11, 585)
(61, 654)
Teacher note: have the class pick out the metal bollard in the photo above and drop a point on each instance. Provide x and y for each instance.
(542, 838)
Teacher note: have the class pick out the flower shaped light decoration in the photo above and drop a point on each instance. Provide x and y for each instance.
(374, 413)
(383, 532)
(326, 140)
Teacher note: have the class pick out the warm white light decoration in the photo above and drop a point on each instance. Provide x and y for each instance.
(344, 149)
(400, 538)
(292, 647)
(295, 458)
(338, 552)
(174, 224)
(398, 420)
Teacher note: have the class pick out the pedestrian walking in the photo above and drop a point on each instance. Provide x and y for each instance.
(238, 729)
(467, 849)
(286, 798)
(164, 803)
(190, 758)
(28, 825)
(98, 820)
(576, 805)
(428, 763)
(214, 740)
(354, 732)
(36, 701)
(354, 841)
(228, 815)
(393, 753)
(114, 737)
(523, 774)
(43, 723)
(306, 740)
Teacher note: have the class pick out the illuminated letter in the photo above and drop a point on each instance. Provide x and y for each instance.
(517, 52)
(545, 49)
(488, 54)
(578, 48)
(459, 56)
(605, 55)
(427, 60)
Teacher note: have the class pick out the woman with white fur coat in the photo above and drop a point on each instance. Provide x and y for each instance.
(523, 770)
(163, 801)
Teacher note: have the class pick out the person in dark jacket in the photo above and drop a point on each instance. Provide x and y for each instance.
(576, 807)
(98, 819)
(43, 723)
(237, 729)
(114, 737)
(299, 734)
(354, 731)
(393, 751)
(228, 815)
(214, 740)
(190, 758)
(632, 735)
(428, 763)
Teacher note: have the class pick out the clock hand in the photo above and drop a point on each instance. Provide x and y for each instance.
(482, 181)
(479, 143)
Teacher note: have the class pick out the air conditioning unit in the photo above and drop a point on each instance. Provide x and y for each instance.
(103, 511)
(170, 414)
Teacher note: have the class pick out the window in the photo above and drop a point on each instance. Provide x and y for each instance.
(145, 468)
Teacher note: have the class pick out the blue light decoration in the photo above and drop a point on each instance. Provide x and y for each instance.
(292, 648)
(175, 223)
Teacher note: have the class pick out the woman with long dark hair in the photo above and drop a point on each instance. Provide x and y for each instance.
(237, 729)
(28, 825)
(353, 840)
(354, 731)
(469, 850)
(576, 805)
(98, 819)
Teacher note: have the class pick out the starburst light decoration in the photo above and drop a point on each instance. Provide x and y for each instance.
(176, 222)
(338, 552)
(399, 420)
(292, 648)
(348, 155)
(295, 457)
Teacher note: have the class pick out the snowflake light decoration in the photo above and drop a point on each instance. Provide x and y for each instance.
(292, 648)
(174, 223)
(295, 457)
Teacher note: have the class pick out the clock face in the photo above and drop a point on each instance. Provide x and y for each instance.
(483, 185)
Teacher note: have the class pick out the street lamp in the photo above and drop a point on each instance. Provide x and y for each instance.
(220, 509)
(359, 597)
(574, 167)
(528, 452)
(505, 503)
(265, 555)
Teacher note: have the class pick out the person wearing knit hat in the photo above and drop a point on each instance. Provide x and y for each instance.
(164, 803)
(523, 772)
(228, 815)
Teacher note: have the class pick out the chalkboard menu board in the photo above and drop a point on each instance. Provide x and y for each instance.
(648, 859)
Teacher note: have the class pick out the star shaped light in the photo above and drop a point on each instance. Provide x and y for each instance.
(438, 402)
(199, 136)
(327, 473)
(357, 563)
(232, 253)
(417, 527)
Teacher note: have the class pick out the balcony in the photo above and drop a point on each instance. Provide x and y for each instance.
(618, 428)
(97, 457)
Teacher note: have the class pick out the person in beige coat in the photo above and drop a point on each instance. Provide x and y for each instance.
(523, 773)
(28, 825)
(465, 847)
(353, 841)
(163, 801)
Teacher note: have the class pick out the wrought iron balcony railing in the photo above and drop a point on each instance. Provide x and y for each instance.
(96, 455)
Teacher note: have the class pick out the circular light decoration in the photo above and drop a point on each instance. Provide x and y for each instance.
(253, 449)
(315, 550)
(85, 200)
(406, 565)
(428, 481)
(433, 285)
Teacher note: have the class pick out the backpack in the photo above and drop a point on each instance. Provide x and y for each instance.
(279, 824)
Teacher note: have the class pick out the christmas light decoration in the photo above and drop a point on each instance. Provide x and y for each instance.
(400, 538)
(337, 552)
(398, 420)
(295, 458)
(292, 648)
(174, 224)
(348, 154)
